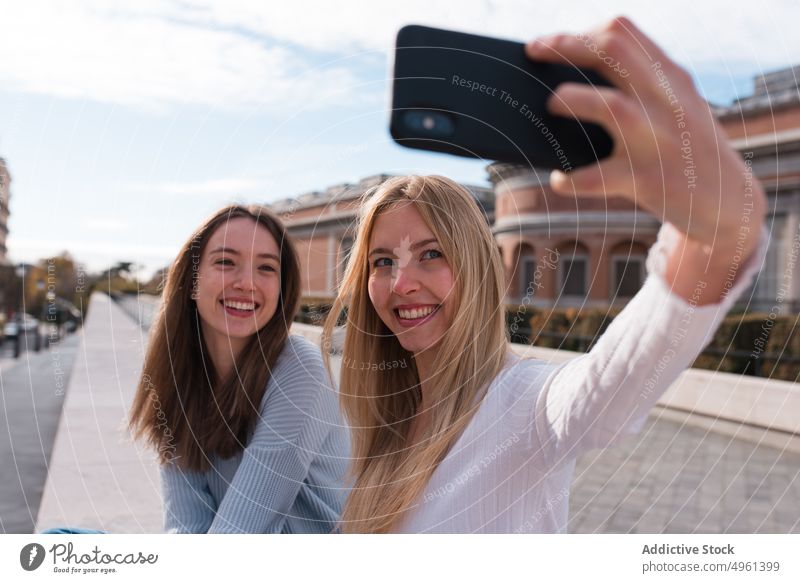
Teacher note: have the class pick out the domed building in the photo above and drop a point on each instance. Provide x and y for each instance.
(567, 251)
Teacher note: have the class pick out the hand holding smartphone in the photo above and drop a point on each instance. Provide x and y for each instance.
(482, 97)
(659, 146)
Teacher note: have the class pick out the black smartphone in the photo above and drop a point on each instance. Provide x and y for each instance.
(482, 97)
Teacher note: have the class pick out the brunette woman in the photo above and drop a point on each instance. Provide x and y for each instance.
(242, 415)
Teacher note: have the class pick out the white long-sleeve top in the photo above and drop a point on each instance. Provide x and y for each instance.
(510, 470)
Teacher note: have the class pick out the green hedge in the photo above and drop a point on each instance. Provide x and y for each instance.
(784, 341)
(313, 310)
(744, 344)
(735, 346)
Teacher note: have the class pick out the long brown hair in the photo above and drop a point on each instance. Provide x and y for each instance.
(178, 408)
(389, 475)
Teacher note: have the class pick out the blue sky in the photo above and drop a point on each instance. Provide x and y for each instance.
(125, 123)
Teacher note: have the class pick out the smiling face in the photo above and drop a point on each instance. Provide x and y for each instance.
(410, 281)
(238, 284)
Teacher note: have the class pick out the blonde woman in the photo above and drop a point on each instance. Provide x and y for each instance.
(469, 437)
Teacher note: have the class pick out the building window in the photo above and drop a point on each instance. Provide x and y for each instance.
(528, 274)
(763, 290)
(627, 275)
(573, 275)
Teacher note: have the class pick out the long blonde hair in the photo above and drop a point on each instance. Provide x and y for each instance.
(380, 402)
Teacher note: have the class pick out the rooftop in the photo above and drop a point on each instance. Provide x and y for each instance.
(348, 191)
(771, 91)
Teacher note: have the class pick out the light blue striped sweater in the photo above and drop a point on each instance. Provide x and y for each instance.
(290, 476)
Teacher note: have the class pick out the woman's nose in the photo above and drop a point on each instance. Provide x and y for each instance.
(244, 280)
(405, 280)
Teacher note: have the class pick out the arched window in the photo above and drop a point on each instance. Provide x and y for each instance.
(526, 269)
(626, 261)
(573, 270)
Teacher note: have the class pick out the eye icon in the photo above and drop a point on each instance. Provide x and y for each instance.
(31, 556)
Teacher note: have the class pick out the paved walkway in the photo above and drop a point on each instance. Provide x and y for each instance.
(673, 478)
(32, 389)
(676, 478)
(98, 477)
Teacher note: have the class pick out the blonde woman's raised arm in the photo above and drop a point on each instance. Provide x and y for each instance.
(672, 159)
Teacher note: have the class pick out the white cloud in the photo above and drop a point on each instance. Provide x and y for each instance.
(104, 225)
(143, 59)
(242, 54)
(702, 31)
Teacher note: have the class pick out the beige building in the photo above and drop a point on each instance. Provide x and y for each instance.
(765, 128)
(5, 194)
(322, 226)
(589, 252)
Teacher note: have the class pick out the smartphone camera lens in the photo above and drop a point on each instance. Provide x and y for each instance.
(434, 124)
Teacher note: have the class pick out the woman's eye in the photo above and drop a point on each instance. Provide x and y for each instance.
(432, 254)
(223, 262)
(267, 268)
(383, 262)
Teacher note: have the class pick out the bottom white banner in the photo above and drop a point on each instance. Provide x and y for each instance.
(357, 558)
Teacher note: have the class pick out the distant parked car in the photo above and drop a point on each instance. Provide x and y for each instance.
(10, 330)
(23, 330)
